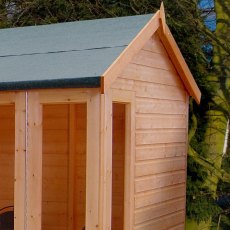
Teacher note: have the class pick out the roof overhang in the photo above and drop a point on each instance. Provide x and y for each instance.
(156, 24)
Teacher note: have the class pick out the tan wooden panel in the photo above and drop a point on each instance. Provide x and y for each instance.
(64, 96)
(159, 195)
(154, 60)
(106, 161)
(34, 160)
(161, 136)
(162, 209)
(165, 222)
(149, 74)
(93, 163)
(160, 166)
(159, 181)
(20, 156)
(151, 90)
(160, 151)
(160, 121)
(158, 106)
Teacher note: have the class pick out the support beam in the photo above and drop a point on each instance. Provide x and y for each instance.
(34, 162)
(20, 153)
(106, 162)
(92, 162)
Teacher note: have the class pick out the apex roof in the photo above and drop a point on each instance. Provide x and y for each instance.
(64, 54)
(83, 53)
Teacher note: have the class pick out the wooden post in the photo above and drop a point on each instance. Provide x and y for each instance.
(106, 162)
(128, 98)
(92, 162)
(19, 171)
(34, 162)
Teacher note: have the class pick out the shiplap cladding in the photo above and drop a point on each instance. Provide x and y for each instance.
(161, 137)
(7, 127)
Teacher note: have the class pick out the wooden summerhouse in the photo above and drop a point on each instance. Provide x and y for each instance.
(93, 125)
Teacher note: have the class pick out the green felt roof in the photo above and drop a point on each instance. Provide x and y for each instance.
(73, 54)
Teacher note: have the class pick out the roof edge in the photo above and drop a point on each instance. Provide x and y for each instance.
(86, 82)
(179, 62)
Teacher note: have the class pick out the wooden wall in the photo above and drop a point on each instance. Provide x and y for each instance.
(160, 138)
(118, 164)
(64, 150)
(7, 126)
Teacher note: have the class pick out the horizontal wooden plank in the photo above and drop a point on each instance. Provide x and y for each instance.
(159, 195)
(160, 166)
(160, 121)
(158, 106)
(165, 222)
(149, 74)
(159, 181)
(154, 60)
(160, 151)
(160, 136)
(58, 96)
(151, 90)
(150, 213)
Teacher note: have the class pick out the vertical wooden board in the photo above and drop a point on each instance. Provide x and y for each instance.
(20, 156)
(106, 162)
(34, 162)
(93, 162)
(128, 98)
